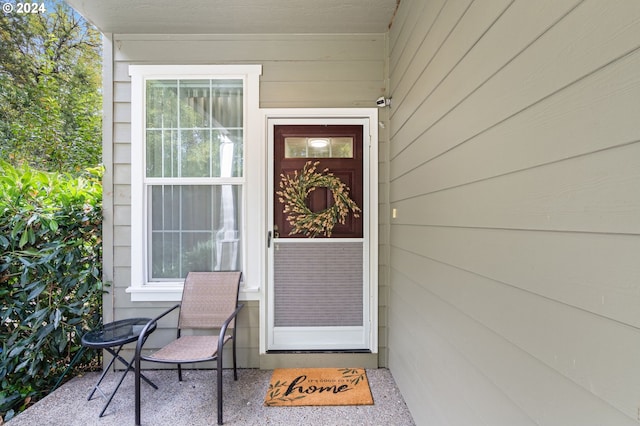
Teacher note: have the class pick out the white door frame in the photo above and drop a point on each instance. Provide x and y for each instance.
(368, 117)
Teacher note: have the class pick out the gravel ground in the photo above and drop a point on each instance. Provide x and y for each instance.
(192, 403)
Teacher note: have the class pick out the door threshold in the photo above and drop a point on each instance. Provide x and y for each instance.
(320, 351)
(319, 359)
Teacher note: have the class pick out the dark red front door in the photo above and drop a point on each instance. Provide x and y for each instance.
(337, 148)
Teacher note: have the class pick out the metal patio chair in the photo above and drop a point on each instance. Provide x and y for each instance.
(209, 301)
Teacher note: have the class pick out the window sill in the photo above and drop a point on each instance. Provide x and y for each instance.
(173, 293)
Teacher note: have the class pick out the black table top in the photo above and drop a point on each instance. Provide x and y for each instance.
(116, 333)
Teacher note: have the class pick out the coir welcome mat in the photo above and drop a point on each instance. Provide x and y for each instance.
(318, 386)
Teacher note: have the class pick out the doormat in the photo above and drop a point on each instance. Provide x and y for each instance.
(292, 387)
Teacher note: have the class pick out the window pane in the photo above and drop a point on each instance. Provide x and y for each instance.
(162, 104)
(162, 153)
(318, 147)
(194, 227)
(196, 153)
(195, 103)
(295, 148)
(194, 128)
(342, 147)
(227, 104)
(199, 252)
(199, 207)
(154, 153)
(165, 248)
(165, 207)
(231, 153)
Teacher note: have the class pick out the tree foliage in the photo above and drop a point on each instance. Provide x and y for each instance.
(50, 277)
(50, 98)
(50, 222)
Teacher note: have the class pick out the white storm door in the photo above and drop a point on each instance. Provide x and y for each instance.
(321, 293)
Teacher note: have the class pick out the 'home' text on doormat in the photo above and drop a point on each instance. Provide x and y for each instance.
(318, 386)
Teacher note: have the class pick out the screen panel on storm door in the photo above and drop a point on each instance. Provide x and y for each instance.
(318, 282)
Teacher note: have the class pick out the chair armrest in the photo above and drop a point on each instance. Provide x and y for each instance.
(143, 334)
(225, 325)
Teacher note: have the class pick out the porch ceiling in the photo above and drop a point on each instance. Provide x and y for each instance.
(238, 16)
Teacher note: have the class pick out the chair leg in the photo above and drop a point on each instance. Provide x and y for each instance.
(179, 373)
(137, 386)
(235, 370)
(219, 395)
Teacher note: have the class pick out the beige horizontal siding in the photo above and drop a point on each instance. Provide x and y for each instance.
(571, 50)
(469, 373)
(514, 279)
(573, 269)
(593, 114)
(342, 71)
(590, 193)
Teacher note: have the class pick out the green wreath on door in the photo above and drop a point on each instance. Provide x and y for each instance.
(293, 193)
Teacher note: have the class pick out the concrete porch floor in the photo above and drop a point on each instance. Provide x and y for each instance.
(192, 402)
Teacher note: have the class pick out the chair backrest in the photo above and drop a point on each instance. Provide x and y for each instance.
(208, 298)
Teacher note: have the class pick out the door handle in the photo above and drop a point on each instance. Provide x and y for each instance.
(270, 235)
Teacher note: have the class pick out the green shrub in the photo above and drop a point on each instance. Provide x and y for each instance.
(50, 277)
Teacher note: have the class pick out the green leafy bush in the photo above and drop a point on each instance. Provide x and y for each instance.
(50, 277)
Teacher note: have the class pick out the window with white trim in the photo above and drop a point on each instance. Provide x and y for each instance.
(190, 186)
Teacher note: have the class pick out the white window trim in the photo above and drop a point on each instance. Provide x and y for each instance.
(254, 171)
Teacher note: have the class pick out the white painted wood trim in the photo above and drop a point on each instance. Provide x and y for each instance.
(354, 337)
(141, 289)
(107, 177)
(368, 117)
